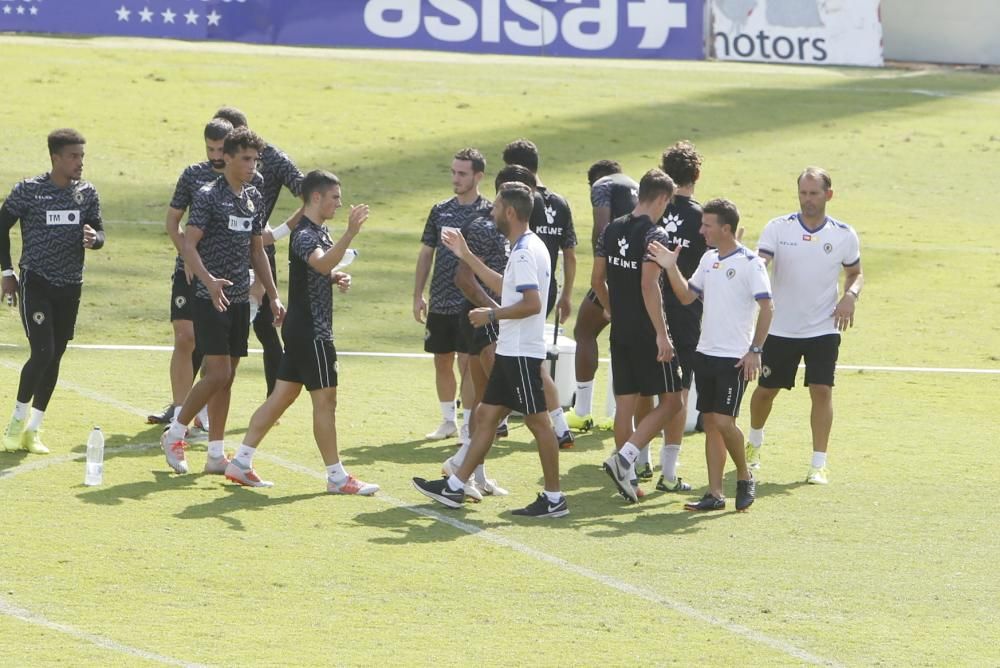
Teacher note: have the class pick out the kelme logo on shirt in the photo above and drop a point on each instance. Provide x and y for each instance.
(238, 224)
(622, 246)
(672, 222)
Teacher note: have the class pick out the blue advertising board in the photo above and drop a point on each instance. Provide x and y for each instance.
(603, 28)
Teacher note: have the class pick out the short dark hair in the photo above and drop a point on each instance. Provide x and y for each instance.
(522, 152)
(474, 156)
(217, 129)
(602, 168)
(516, 174)
(240, 139)
(60, 139)
(817, 173)
(682, 163)
(233, 115)
(726, 211)
(518, 196)
(318, 181)
(654, 183)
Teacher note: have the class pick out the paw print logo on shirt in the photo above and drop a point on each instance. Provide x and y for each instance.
(672, 222)
(622, 246)
(550, 215)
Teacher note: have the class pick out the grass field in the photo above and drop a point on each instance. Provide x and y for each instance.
(894, 563)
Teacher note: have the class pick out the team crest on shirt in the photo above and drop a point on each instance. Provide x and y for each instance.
(180, 301)
(827, 248)
(730, 273)
(78, 197)
(622, 246)
(38, 317)
(250, 206)
(672, 222)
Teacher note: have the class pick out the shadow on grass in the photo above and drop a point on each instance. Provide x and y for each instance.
(239, 499)
(115, 495)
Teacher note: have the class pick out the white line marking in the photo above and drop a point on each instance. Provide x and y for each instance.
(483, 534)
(427, 356)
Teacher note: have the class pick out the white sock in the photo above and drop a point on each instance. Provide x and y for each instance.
(216, 448)
(503, 421)
(459, 457)
(553, 497)
(244, 455)
(35, 421)
(455, 483)
(464, 434)
(177, 431)
(584, 398)
(756, 437)
(819, 460)
(21, 410)
(466, 416)
(630, 452)
(559, 421)
(643, 455)
(177, 411)
(480, 473)
(335, 473)
(668, 461)
(448, 411)
(203, 415)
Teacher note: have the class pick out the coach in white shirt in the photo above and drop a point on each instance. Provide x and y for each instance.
(516, 379)
(732, 281)
(807, 251)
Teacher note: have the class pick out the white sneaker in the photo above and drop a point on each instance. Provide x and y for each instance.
(490, 487)
(472, 492)
(817, 476)
(216, 465)
(174, 453)
(245, 476)
(444, 430)
(201, 419)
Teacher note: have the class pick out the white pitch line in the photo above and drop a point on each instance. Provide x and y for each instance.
(483, 534)
(427, 356)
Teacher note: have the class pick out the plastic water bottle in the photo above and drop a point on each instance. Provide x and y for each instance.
(95, 458)
(350, 255)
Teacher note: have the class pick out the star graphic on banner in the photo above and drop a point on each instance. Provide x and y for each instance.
(7, 9)
(213, 18)
(20, 9)
(192, 18)
(145, 16)
(122, 13)
(33, 11)
(168, 16)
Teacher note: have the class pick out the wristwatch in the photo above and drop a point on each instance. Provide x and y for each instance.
(756, 349)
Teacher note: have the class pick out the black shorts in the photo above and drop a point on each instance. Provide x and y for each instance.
(218, 333)
(592, 298)
(551, 298)
(475, 339)
(48, 312)
(719, 383)
(684, 325)
(309, 362)
(684, 355)
(516, 382)
(443, 334)
(635, 370)
(181, 294)
(781, 357)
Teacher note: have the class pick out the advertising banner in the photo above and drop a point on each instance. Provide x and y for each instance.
(809, 32)
(603, 28)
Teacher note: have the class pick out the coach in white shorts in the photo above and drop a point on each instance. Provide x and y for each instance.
(806, 251)
(515, 381)
(732, 281)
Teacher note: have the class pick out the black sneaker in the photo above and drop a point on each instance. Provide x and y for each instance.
(645, 472)
(677, 486)
(502, 430)
(708, 502)
(746, 492)
(542, 507)
(440, 492)
(566, 440)
(161, 418)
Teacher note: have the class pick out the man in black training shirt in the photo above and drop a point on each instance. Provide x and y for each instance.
(310, 358)
(60, 217)
(278, 170)
(552, 221)
(442, 334)
(222, 240)
(628, 282)
(612, 194)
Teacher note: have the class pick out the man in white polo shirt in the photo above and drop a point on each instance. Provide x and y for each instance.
(732, 282)
(515, 381)
(807, 251)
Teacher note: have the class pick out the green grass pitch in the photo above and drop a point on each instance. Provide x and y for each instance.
(894, 563)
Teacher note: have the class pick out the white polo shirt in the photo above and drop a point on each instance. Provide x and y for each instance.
(805, 272)
(527, 269)
(730, 287)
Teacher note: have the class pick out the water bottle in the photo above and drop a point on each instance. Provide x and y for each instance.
(95, 458)
(350, 255)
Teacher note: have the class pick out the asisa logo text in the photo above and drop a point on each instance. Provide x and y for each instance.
(595, 26)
